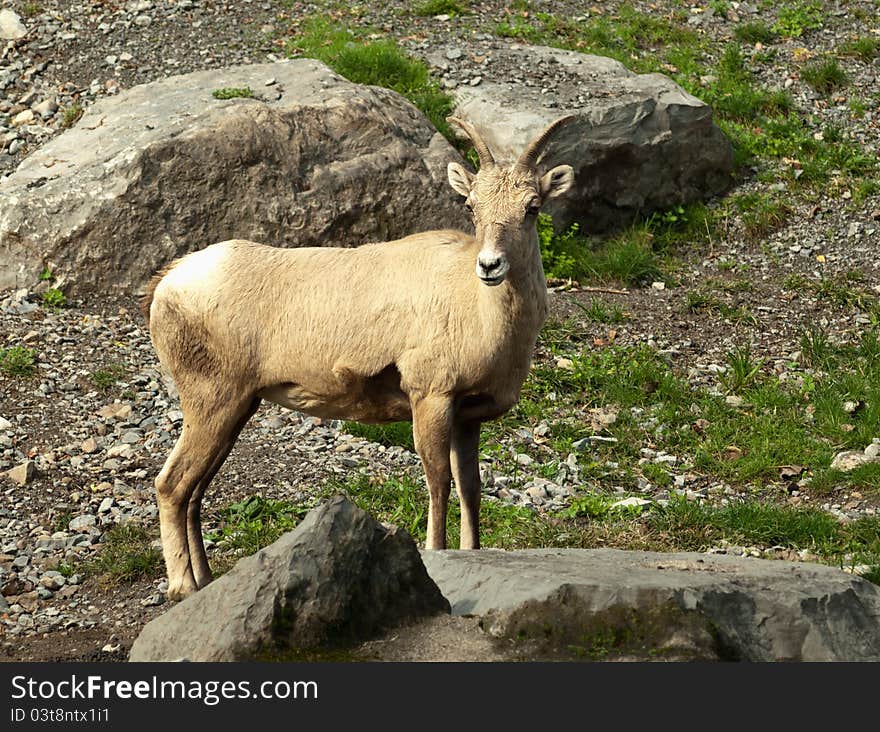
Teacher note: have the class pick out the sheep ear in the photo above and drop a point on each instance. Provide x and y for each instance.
(556, 181)
(460, 179)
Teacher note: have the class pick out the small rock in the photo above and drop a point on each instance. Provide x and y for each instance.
(453, 54)
(82, 522)
(23, 118)
(632, 502)
(658, 285)
(116, 411)
(22, 474)
(872, 451)
(11, 27)
(89, 445)
(733, 400)
(523, 459)
(850, 460)
(153, 600)
(46, 109)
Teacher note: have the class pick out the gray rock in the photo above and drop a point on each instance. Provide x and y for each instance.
(11, 27)
(694, 605)
(165, 168)
(850, 460)
(82, 522)
(339, 577)
(640, 143)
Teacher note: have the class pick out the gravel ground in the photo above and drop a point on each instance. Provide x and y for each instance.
(94, 451)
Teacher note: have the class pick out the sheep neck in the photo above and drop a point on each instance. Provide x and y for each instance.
(517, 307)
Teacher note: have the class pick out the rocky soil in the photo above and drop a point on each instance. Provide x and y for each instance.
(85, 453)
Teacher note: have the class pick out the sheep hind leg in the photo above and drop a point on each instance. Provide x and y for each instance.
(197, 555)
(431, 431)
(201, 442)
(465, 461)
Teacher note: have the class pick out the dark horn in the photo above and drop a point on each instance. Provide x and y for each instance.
(483, 152)
(531, 154)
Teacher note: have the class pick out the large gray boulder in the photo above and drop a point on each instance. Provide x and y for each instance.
(640, 143)
(339, 578)
(165, 168)
(590, 603)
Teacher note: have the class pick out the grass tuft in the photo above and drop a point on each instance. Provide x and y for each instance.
(430, 8)
(126, 555)
(377, 63)
(17, 361)
(825, 75)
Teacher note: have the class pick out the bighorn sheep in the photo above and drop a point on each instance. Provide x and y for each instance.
(399, 330)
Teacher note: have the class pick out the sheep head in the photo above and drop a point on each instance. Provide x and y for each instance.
(506, 200)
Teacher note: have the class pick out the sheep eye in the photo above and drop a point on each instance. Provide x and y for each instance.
(534, 207)
(469, 206)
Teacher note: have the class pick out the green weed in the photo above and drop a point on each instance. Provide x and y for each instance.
(795, 19)
(230, 92)
(17, 361)
(54, 299)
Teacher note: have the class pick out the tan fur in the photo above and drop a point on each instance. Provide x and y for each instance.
(400, 330)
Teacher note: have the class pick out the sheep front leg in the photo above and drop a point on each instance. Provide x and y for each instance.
(432, 423)
(466, 470)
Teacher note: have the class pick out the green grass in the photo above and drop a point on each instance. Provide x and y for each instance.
(754, 31)
(106, 378)
(126, 555)
(798, 421)
(374, 62)
(250, 524)
(17, 361)
(743, 371)
(70, 115)
(430, 8)
(701, 300)
(641, 40)
(864, 48)
(395, 433)
(843, 289)
(599, 311)
(30, 9)
(795, 19)
(825, 75)
(761, 213)
(231, 92)
(627, 258)
(54, 299)
(590, 521)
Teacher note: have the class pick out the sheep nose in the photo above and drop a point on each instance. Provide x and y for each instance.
(492, 269)
(489, 266)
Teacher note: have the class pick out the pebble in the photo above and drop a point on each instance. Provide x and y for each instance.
(22, 474)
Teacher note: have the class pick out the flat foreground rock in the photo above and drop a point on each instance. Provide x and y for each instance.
(690, 606)
(166, 168)
(339, 578)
